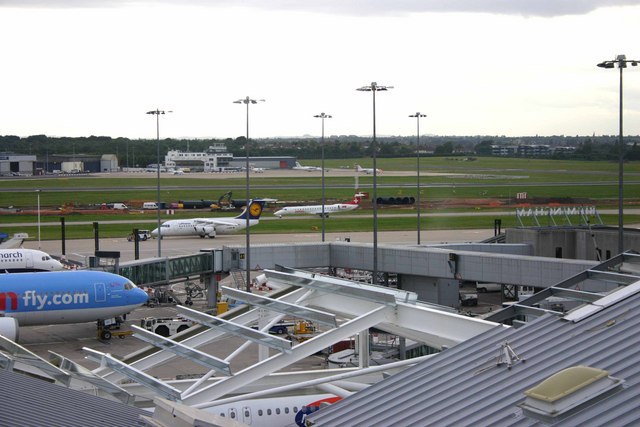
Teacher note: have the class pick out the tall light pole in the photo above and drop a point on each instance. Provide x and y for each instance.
(622, 62)
(373, 88)
(417, 116)
(38, 193)
(157, 113)
(322, 116)
(247, 101)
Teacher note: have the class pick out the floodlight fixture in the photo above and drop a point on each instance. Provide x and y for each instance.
(417, 116)
(373, 88)
(322, 116)
(247, 101)
(621, 61)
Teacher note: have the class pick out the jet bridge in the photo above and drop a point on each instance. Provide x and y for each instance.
(580, 295)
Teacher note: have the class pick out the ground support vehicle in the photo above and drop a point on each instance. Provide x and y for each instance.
(165, 326)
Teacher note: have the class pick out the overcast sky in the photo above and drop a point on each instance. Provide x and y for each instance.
(475, 67)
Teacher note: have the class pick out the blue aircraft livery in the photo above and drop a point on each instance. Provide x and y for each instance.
(67, 296)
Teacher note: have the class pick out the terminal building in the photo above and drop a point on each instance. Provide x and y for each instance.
(215, 159)
(218, 159)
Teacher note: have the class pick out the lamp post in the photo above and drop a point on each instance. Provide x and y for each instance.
(38, 193)
(373, 88)
(417, 116)
(622, 62)
(247, 101)
(157, 113)
(322, 116)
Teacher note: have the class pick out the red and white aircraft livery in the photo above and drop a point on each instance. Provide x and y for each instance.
(317, 209)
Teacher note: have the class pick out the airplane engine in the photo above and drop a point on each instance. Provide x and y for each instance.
(207, 231)
(9, 328)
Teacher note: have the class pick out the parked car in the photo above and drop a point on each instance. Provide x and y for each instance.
(142, 235)
(489, 287)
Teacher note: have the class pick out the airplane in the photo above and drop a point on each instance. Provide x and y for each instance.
(317, 209)
(273, 411)
(368, 171)
(299, 167)
(23, 260)
(257, 170)
(13, 242)
(46, 298)
(210, 227)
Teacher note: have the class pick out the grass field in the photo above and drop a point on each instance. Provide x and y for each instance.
(494, 179)
(311, 225)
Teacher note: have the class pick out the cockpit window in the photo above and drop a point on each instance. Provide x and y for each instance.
(128, 286)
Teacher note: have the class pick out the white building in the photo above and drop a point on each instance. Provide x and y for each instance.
(215, 159)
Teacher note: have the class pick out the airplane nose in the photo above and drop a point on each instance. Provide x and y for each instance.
(139, 296)
(154, 232)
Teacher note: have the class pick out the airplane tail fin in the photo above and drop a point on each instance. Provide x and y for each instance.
(356, 198)
(358, 168)
(254, 211)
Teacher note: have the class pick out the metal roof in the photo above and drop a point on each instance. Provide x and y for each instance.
(28, 401)
(464, 385)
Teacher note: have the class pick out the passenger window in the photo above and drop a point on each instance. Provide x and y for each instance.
(286, 410)
(260, 412)
(268, 411)
(295, 409)
(246, 413)
(277, 411)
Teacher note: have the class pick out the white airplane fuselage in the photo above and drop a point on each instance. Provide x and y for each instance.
(316, 209)
(299, 167)
(368, 171)
(27, 260)
(210, 227)
(274, 411)
(195, 227)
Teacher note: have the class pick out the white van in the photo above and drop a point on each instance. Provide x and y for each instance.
(119, 206)
(150, 205)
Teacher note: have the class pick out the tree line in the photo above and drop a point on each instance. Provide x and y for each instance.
(140, 152)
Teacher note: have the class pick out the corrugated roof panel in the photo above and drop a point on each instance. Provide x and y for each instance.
(29, 401)
(463, 386)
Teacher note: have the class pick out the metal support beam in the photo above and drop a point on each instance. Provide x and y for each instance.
(235, 329)
(281, 360)
(18, 353)
(342, 287)
(81, 373)
(294, 310)
(187, 352)
(150, 382)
